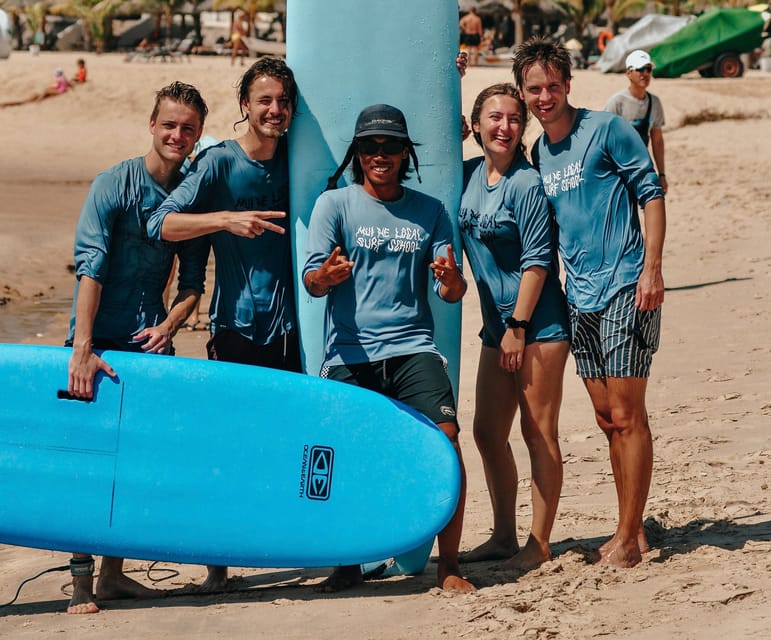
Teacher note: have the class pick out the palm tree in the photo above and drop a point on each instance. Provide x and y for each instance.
(617, 9)
(249, 7)
(36, 14)
(15, 11)
(517, 15)
(96, 18)
(196, 20)
(582, 12)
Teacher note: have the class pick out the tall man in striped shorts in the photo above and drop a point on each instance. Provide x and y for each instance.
(596, 171)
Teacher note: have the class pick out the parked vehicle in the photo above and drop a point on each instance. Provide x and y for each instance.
(712, 44)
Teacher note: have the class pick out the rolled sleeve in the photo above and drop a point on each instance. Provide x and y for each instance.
(94, 230)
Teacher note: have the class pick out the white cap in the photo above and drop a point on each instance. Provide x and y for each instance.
(637, 59)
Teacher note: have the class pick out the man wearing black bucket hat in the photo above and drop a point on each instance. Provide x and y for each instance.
(370, 248)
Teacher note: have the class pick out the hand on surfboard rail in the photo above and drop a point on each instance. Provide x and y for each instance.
(83, 367)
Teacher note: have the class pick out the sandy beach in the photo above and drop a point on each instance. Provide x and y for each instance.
(708, 516)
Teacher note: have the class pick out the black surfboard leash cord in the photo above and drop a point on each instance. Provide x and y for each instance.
(172, 573)
(65, 567)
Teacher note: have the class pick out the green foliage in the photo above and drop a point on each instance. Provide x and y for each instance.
(582, 12)
(93, 14)
(35, 14)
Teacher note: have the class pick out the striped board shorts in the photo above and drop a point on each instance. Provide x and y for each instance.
(618, 341)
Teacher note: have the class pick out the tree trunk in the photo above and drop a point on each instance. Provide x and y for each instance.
(519, 27)
(18, 31)
(197, 28)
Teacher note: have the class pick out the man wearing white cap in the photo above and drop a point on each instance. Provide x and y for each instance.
(641, 108)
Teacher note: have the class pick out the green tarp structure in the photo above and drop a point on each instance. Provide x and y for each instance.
(715, 32)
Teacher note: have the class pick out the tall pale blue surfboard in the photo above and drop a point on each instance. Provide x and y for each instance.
(205, 462)
(346, 55)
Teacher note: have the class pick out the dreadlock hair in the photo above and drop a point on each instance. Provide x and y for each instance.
(539, 50)
(184, 94)
(273, 68)
(501, 89)
(358, 172)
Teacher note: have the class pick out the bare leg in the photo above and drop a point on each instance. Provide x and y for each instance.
(216, 580)
(496, 406)
(540, 380)
(620, 411)
(82, 600)
(113, 584)
(342, 578)
(642, 540)
(448, 571)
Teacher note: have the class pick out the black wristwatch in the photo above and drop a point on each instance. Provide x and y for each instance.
(513, 323)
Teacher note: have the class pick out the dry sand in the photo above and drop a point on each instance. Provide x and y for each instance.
(709, 573)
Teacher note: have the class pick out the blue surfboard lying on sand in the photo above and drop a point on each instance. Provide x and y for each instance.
(188, 460)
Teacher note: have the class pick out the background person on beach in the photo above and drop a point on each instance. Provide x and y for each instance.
(596, 170)
(80, 74)
(240, 28)
(369, 341)
(57, 87)
(506, 227)
(230, 195)
(471, 34)
(641, 108)
(118, 301)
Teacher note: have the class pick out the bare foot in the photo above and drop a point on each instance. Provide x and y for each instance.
(621, 556)
(533, 555)
(490, 550)
(216, 581)
(448, 577)
(82, 600)
(342, 578)
(642, 543)
(120, 586)
(457, 585)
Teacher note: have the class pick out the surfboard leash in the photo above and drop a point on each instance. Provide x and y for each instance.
(65, 567)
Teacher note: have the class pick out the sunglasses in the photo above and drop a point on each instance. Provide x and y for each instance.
(646, 69)
(387, 148)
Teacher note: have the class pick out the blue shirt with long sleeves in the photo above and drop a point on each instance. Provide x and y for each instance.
(112, 247)
(253, 287)
(382, 310)
(595, 179)
(507, 228)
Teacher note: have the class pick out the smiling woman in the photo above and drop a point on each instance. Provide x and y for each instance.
(507, 235)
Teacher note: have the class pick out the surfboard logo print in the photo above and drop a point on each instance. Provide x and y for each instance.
(318, 483)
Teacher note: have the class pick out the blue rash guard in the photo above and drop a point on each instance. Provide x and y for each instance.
(112, 247)
(507, 228)
(382, 310)
(253, 288)
(595, 178)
